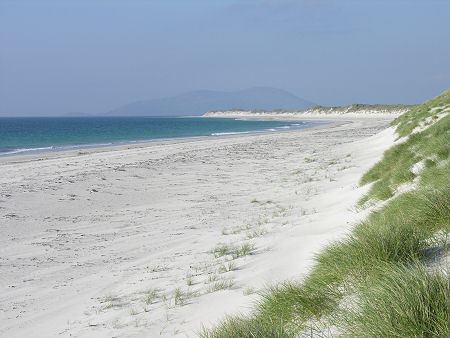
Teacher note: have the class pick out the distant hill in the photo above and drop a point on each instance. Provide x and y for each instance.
(201, 101)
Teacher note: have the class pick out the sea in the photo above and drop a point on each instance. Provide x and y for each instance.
(21, 135)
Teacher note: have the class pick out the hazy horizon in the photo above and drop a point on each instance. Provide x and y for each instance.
(93, 56)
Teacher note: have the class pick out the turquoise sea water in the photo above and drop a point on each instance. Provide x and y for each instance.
(22, 135)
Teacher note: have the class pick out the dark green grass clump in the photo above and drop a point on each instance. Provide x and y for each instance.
(404, 301)
(297, 303)
(242, 327)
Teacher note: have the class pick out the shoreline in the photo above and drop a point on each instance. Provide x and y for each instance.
(75, 150)
(130, 240)
(322, 121)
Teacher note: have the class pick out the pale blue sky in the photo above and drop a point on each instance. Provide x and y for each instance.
(59, 56)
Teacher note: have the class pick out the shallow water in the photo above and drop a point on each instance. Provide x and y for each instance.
(36, 134)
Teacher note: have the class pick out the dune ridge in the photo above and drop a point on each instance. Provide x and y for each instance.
(354, 110)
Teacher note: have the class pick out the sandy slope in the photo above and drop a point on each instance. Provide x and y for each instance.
(85, 238)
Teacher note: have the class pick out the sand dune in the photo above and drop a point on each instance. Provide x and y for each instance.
(160, 239)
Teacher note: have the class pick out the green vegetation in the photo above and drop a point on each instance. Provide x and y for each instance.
(221, 284)
(248, 291)
(376, 281)
(407, 301)
(418, 114)
(181, 297)
(431, 146)
(151, 296)
(238, 327)
(227, 267)
(235, 251)
(256, 233)
(221, 250)
(189, 280)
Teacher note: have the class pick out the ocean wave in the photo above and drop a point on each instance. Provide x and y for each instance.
(233, 133)
(25, 150)
(58, 148)
(258, 131)
(89, 145)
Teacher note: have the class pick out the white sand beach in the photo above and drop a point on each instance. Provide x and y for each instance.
(118, 242)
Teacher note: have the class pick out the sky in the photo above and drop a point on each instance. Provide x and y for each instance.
(91, 56)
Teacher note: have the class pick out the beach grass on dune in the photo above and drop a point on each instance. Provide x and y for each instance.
(396, 301)
(431, 146)
(407, 122)
(375, 282)
(396, 235)
(235, 251)
(403, 301)
(242, 327)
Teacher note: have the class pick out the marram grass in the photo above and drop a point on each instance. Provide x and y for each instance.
(403, 301)
(243, 327)
(431, 146)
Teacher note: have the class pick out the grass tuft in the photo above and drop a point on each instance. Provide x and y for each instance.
(406, 302)
(181, 297)
(227, 267)
(151, 295)
(235, 251)
(221, 284)
(242, 327)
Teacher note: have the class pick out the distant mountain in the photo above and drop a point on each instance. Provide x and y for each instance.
(201, 101)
